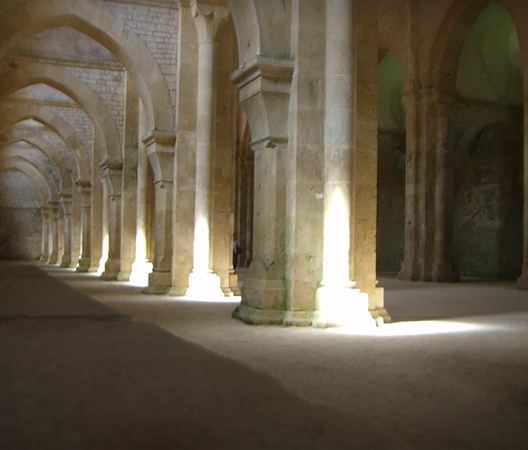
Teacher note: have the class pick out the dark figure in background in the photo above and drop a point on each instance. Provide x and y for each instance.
(236, 251)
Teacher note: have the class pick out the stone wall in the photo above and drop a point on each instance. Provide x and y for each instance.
(391, 200)
(20, 217)
(487, 190)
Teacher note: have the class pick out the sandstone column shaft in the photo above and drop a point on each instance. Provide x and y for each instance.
(66, 201)
(338, 142)
(85, 192)
(45, 234)
(54, 232)
(410, 269)
(443, 260)
(522, 281)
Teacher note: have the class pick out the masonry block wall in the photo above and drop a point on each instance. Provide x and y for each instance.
(20, 217)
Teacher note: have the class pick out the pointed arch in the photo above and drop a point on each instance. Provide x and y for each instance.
(453, 32)
(95, 21)
(24, 111)
(23, 165)
(32, 138)
(71, 85)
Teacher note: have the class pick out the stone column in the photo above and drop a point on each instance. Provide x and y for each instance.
(337, 298)
(99, 200)
(160, 151)
(249, 163)
(44, 257)
(76, 227)
(54, 232)
(265, 85)
(203, 281)
(66, 202)
(85, 191)
(141, 266)
(426, 184)
(443, 269)
(130, 189)
(113, 178)
(410, 268)
(104, 226)
(185, 151)
(522, 281)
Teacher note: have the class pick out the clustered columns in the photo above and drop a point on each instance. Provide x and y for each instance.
(337, 299)
(522, 281)
(112, 175)
(85, 191)
(54, 232)
(45, 234)
(443, 269)
(208, 18)
(66, 202)
(429, 186)
(160, 151)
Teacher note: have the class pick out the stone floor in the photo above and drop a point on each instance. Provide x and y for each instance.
(450, 373)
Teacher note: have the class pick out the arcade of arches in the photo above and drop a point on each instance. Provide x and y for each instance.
(334, 139)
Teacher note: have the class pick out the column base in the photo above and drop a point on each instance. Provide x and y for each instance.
(255, 316)
(53, 259)
(264, 294)
(204, 286)
(66, 263)
(522, 281)
(123, 276)
(410, 271)
(343, 306)
(233, 289)
(159, 283)
(111, 270)
(140, 272)
(83, 265)
(444, 273)
(44, 259)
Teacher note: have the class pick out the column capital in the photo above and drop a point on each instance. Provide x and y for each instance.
(268, 143)
(159, 137)
(444, 95)
(208, 18)
(112, 174)
(83, 184)
(411, 94)
(264, 85)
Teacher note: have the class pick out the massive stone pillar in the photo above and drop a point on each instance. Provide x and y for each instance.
(141, 266)
(160, 151)
(522, 281)
(337, 298)
(54, 232)
(44, 256)
(130, 189)
(85, 191)
(66, 202)
(185, 151)
(410, 268)
(443, 269)
(203, 281)
(265, 85)
(113, 175)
